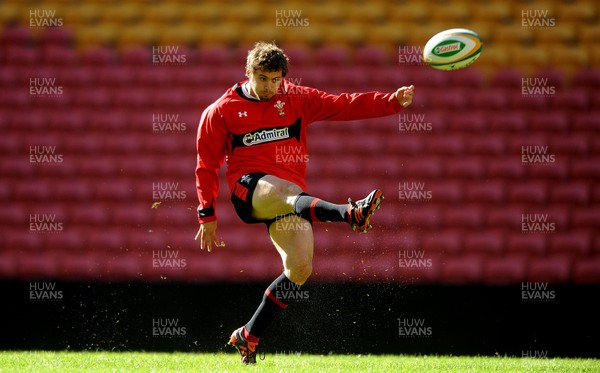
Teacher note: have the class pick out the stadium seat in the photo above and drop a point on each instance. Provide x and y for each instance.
(586, 169)
(448, 243)
(488, 99)
(554, 269)
(469, 217)
(488, 192)
(488, 243)
(574, 243)
(586, 271)
(572, 194)
(465, 169)
(586, 122)
(493, 146)
(513, 121)
(555, 121)
(463, 270)
(573, 100)
(503, 271)
(526, 245)
(586, 217)
(532, 193)
(558, 170)
(422, 168)
(507, 218)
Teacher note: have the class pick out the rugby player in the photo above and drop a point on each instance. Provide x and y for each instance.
(247, 127)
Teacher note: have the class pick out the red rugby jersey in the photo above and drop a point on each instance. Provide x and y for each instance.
(270, 136)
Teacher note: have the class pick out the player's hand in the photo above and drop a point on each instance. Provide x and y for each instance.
(207, 234)
(404, 95)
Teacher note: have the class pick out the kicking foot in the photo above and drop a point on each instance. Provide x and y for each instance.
(360, 211)
(246, 349)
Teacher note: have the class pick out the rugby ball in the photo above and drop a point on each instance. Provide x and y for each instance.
(452, 49)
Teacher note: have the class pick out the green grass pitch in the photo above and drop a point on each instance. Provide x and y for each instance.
(47, 361)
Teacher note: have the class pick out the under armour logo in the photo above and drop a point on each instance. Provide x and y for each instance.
(242, 114)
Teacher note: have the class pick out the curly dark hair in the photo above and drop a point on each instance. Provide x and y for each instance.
(267, 57)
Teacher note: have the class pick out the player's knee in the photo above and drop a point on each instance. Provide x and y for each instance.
(300, 273)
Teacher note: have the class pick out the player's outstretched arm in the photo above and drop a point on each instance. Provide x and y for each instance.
(404, 95)
(207, 234)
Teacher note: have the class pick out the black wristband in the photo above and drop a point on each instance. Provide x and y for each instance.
(206, 212)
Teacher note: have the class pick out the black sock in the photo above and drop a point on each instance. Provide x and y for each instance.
(276, 299)
(313, 208)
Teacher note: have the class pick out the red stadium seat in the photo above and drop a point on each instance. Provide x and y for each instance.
(573, 100)
(511, 121)
(489, 243)
(448, 145)
(99, 56)
(467, 217)
(17, 35)
(587, 78)
(574, 193)
(489, 99)
(556, 121)
(59, 56)
(445, 192)
(473, 121)
(465, 168)
(586, 169)
(587, 218)
(507, 218)
(529, 245)
(463, 270)
(573, 145)
(502, 271)
(494, 146)
(422, 168)
(447, 243)
(555, 269)
(23, 241)
(528, 193)
(573, 243)
(586, 271)
(490, 192)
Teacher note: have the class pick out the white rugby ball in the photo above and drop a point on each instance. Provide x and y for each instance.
(452, 49)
